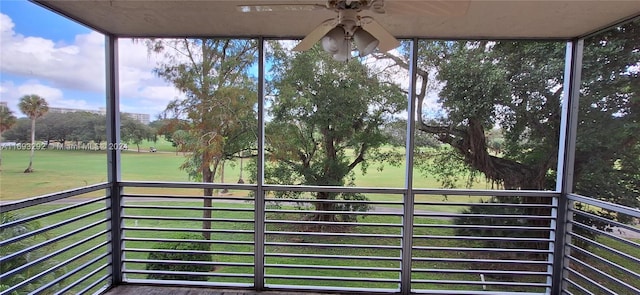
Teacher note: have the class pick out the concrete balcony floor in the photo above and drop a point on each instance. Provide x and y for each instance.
(163, 290)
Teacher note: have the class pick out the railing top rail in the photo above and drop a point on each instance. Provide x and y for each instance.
(634, 212)
(12, 206)
(338, 189)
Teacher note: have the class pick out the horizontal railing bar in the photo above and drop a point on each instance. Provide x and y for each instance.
(350, 246)
(188, 241)
(607, 234)
(73, 272)
(492, 283)
(303, 289)
(333, 189)
(292, 255)
(472, 238)
(173, 283)
(605, 261)
(50, 212)
(55, 253)
(277, 221)
(581, 288)
(485, 193)
(334, 212)
(184, 197)
(144, 217)
(333, 267)
(605, 247)
(605, 205)
(28, 281)
(139, 250)
(468, 292)
(12, 206)
(327, 278)
(605, 220)
(494, 250)
(188, 208)
(589, 280)
(50, 241)
(187, 273)
(51, 227)
(443, 214)
(193, 185)
(466, 204)
(284, 200)
(466, 260)
(175, 229)
(212, 263)
(479, 226)
(339, 189)
(481, 271)
(321, 234)
(606, 275)
(92, 285)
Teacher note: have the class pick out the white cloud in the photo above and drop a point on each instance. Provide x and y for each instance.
(11, 94)
(57, 70)
(77, 66)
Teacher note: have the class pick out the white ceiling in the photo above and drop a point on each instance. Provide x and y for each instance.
(482, 19)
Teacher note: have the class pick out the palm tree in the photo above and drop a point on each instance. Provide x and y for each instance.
(7, 120)
(34, 107)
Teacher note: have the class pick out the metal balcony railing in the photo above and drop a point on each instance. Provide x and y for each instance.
(603, 256)
(57, 243)
(421, 241)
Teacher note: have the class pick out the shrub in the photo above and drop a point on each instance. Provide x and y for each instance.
(184, 256)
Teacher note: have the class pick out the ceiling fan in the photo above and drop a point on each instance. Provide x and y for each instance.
(336, 34)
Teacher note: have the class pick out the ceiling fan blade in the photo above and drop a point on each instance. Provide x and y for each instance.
(387, 41)
(432, 7)
(316, 35)
(279, 7)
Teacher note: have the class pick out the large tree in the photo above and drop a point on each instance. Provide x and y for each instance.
(219, 102)
(518, 85)
(34, 107)
(134, 132)
(326, 119)
(7, 120)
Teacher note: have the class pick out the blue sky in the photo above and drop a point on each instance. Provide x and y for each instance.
(46, 54)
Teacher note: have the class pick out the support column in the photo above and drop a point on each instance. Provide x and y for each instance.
(566, 157)
(407, 218)
(113, 158)
(259, 214)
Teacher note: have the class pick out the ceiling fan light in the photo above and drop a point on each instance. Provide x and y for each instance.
(365, 42)
(334, 40)
(344, 52)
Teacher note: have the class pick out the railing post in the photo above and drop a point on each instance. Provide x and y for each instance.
(566, 156)
(407, 218)
(113, 158)
(259, 215)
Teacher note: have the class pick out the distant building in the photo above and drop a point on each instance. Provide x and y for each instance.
(3, 104)
(142, 118)
(70, 110)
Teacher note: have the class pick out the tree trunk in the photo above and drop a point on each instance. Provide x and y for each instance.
(323, 206)
(1, 147)
(224, 191)
(207, 176)
(33, 146)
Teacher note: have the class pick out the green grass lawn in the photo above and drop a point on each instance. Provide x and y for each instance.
(57, 170)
